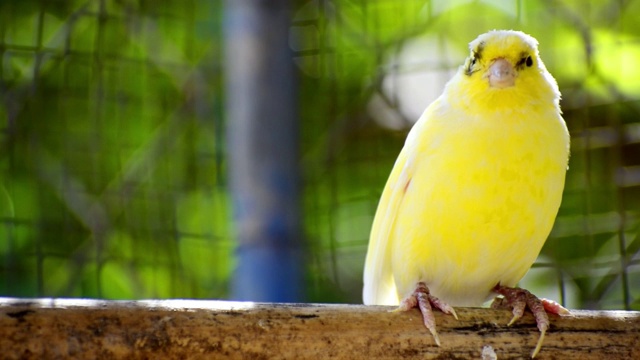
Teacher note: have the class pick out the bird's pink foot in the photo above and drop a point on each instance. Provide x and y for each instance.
(518, 299)
(553, 307)
(423, 300)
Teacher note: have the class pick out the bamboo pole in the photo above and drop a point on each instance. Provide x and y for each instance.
(194, 329)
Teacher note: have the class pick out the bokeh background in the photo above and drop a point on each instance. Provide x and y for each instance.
(114, 156)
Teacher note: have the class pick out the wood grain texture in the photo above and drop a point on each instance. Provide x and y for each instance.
(192, 329)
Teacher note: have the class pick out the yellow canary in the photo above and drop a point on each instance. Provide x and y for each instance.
(474, 192)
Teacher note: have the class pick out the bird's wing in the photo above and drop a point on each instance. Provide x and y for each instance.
(379, 285)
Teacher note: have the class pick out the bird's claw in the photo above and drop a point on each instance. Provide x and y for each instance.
(423, 300)
(518, 299)
(553, 307)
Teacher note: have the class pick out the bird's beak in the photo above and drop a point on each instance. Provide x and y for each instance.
(501, 74)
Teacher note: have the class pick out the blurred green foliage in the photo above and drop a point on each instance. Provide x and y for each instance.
(111, 151)
(112, 162)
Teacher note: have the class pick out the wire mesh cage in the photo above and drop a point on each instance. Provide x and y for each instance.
(113, 185)
(113, 151)
(406, 52)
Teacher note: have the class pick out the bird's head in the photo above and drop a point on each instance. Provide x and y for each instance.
(504, 70)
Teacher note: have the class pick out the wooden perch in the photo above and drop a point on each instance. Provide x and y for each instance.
(192, 329)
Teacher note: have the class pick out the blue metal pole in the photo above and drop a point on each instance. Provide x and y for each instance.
(263, 154)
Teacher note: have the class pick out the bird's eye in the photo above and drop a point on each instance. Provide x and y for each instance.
(469, 70)
(529, 61)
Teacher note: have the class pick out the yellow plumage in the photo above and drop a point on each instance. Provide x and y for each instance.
(474, 192)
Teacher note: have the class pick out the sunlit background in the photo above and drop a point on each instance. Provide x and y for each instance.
(114, 154)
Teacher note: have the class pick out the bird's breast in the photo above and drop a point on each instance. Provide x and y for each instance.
(481, 202)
